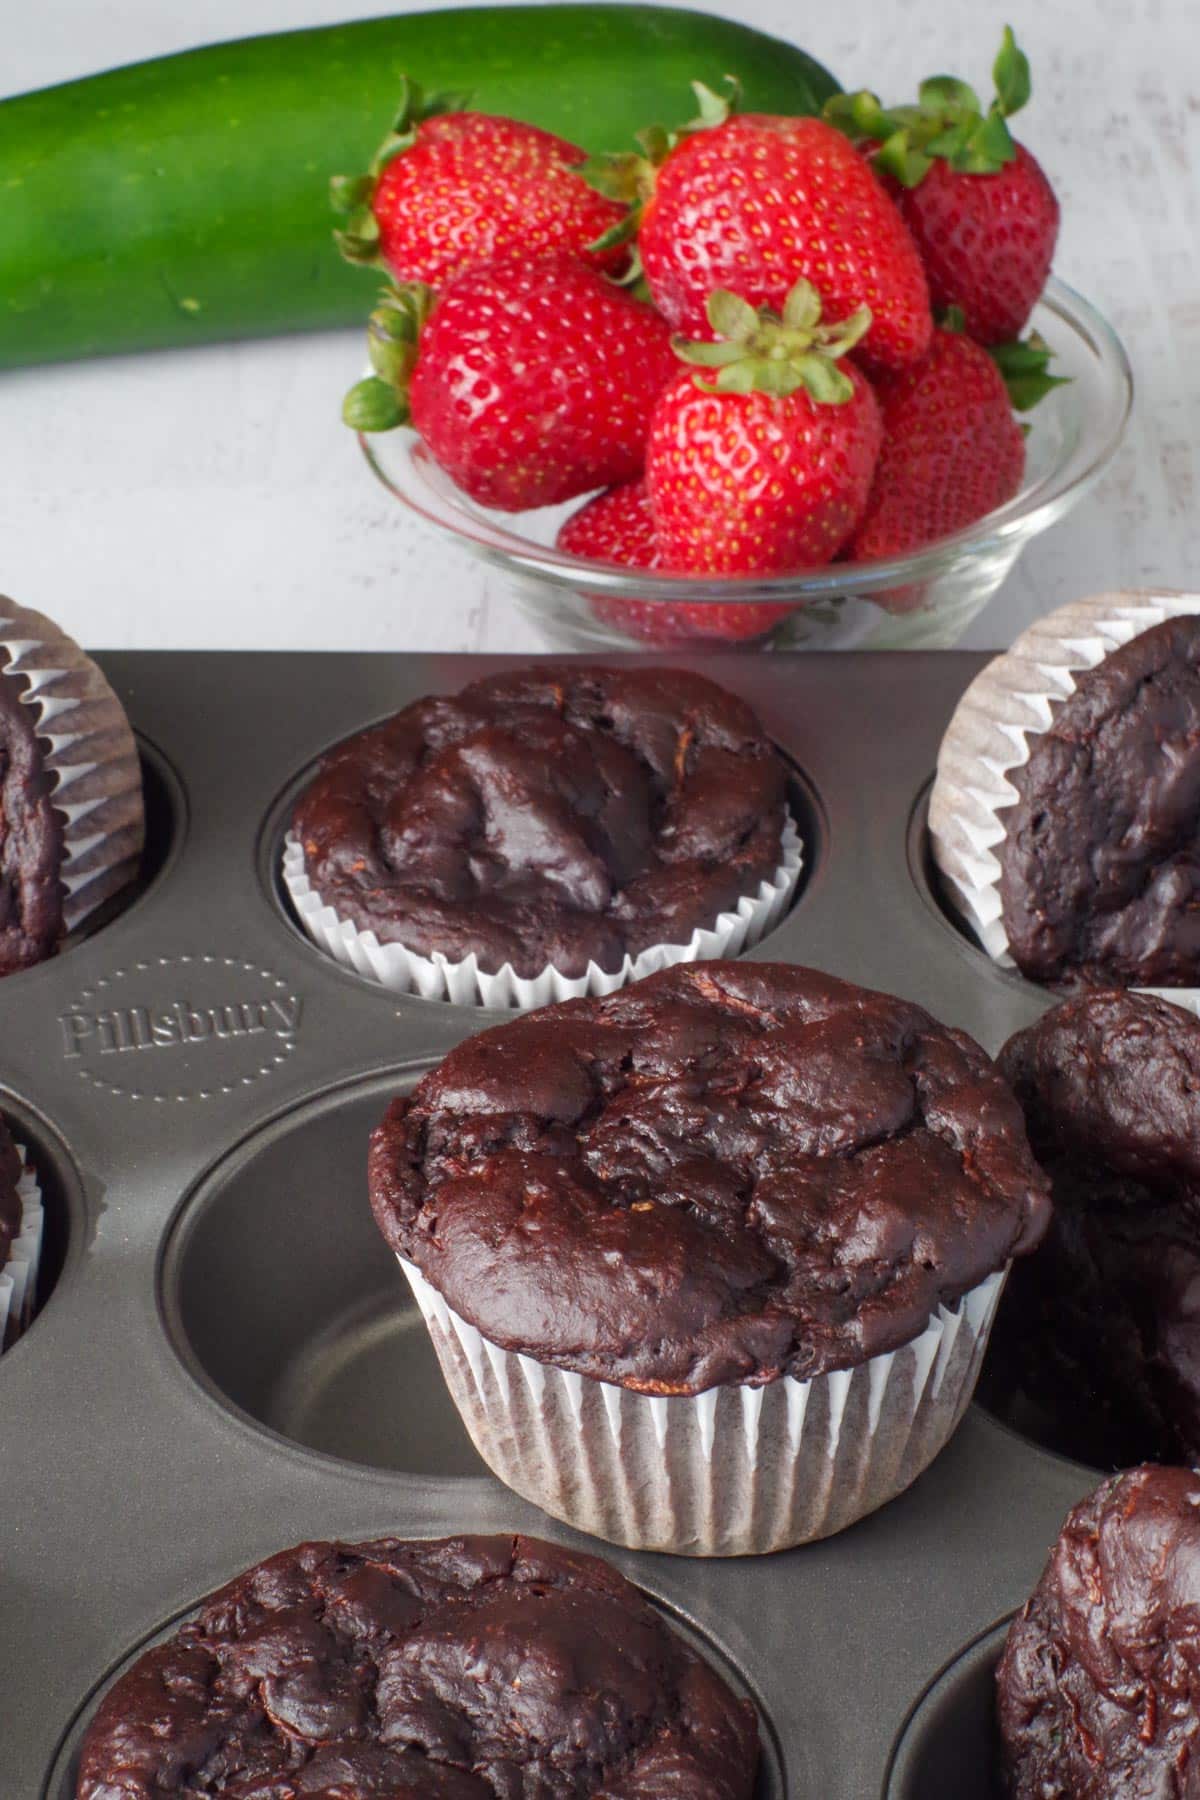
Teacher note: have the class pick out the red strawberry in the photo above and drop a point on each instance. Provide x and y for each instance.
(618, 527)
(530, 382)
(987, 242)
(450, 191)
(952, 450)
(768, 468)
(758, 202)
(980, 210)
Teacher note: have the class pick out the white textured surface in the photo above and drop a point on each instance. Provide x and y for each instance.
(212, 498)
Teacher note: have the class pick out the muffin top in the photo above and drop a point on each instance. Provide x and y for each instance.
(728, 1172)
(1100, 864)
(1099, 1326)
(30, 837)
(1099, 1684)
(469, 1668)
(549, 816)
(10, 1200)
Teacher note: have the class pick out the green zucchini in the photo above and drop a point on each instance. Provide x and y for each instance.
(187, 199)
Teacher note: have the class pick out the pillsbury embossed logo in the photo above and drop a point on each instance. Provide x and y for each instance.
(181, 1027)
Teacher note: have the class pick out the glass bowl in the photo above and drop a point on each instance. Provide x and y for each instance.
(923, 601)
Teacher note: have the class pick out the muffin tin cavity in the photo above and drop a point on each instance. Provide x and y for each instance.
(282, 1296)
(772, 1784)
(950, 1744)
(62, 1205)
(804, 805)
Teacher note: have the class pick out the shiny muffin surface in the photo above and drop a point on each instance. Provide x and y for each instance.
(557, 816)
(728, 1172)
(1099, 1685)
(469, 1668)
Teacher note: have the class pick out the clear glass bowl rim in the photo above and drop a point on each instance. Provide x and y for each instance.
(1000, 532)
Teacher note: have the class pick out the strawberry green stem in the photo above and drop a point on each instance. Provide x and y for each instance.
(629, 175)
(380, 401)
(948, 123)
(765, 352)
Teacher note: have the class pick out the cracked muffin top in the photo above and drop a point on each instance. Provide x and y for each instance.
(1098, 1329)
(727, 1172)
(550, 816)
(468, 1668)
(1099, 1684)
(1100, 865)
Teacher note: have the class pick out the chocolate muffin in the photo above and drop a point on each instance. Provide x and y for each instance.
(31, 891)
(1100, 1330)
(726, 1173)
(469, 1668)
(71, 812)
(1100, 870)
(553, 816)
(709, 1265)
(1099, 1685)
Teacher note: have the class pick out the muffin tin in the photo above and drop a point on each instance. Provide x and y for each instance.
(227, 1360)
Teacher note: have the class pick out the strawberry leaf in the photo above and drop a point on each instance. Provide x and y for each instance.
(762, 352)
(898, 158)
(655, 143)
(1025, 365)
(707, 356)
(373, 405)
(359, 242)
(948, 122)
(348, 192)
(731, 316)
(824, 380)
(987, 148)
(623, 232)
(736, 378)
(860, 116)
(714, 109)
(802, 308)
(1010, 72)
(943, 92)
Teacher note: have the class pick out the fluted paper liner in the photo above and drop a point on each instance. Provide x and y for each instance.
(18, 1276)
(90, 750)
(1008, 705)
(735, 1471)
(466, 984)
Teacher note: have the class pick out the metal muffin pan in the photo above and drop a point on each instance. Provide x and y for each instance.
(229, 1360)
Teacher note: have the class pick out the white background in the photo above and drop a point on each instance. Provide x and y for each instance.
(211, 497)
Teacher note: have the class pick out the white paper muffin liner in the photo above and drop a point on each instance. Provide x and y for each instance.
(735, 1471)
(1009, 704)
(90, 751)
(18, 1277)
(466, 984)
